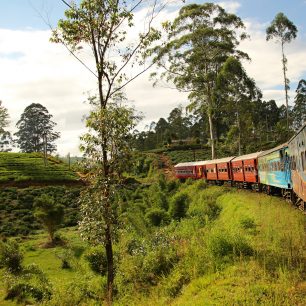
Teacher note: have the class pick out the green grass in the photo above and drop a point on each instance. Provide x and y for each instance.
(233, 247)
(24, 167)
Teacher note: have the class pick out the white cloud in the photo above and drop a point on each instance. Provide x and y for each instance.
(266, 67)
(35, 70)
(230, 6)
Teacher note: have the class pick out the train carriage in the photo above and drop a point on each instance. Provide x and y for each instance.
(297, 149)
(194, 170)
(219, 169)
(245, 170)
(274, 170)
(185, 170)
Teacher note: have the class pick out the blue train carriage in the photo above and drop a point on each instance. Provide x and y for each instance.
(297, 149)
(274, 171)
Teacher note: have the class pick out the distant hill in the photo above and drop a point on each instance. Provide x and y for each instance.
(26, 169)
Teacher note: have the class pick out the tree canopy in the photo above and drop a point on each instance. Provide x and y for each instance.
(5, 136)
(199, 41)
(36, 130)
(284, 31)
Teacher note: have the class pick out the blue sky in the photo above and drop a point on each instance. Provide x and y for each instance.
(35, 70)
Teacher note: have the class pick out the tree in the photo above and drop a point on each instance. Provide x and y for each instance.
(299, 108)
(49, 213)
(109, 130)
(5, 136)
(103, 26)
(36, 130)
(284, 31)
(198, 43)
(238, 91)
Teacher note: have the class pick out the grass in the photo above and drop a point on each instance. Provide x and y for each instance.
(233, 247)
(17, 168)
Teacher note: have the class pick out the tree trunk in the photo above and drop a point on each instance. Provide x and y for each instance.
(110, 264)
(212, 138)
(239, 133)
(284, 60)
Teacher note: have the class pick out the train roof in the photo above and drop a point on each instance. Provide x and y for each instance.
(194, 163)
(298, 132)
(190, 164)
(274, 149)
(220, 160)
(247, 156)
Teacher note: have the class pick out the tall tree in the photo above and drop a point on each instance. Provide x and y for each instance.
(103, 25)
(299, 108)
(284, 31)
(36, 130)
(198, 43)
(238, 90)
(5, 136)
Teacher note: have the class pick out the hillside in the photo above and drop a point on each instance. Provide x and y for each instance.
(183, 244)
(26, 169)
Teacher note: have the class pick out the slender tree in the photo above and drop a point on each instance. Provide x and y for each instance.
(5, 136)
(104, 25)
(36, 130)
(283, 31)
(198, 43)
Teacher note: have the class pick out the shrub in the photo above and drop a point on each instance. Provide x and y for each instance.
(179, 206)
(31, 282)
(96, 258)
(49, 213)
(157, 216)
(10, 256)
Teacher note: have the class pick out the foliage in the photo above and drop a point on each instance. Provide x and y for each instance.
(108, 155)
(5, 136)
(35, 130)
(10, 256)
(17, 208)
(179, 206)
(299, 108)
(49, 213)
(26, 169)
(284, 31)
(97, 260)
(30, 283)
(199, 41)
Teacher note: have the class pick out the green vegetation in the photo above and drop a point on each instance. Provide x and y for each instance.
(17, 208)
(29, 168)
(182, 244)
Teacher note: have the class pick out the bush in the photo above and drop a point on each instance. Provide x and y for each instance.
(10, 256)
(31, 282)
(179, 206)
(157, 216)
(97, 260)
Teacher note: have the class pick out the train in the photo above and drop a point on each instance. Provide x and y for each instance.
(281, 170)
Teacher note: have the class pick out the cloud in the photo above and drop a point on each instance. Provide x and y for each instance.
(35, 70)
(230, 6)
(266, 67)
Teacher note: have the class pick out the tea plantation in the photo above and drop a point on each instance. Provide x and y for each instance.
(25, 169)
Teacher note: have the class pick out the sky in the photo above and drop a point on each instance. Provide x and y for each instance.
(34, 70)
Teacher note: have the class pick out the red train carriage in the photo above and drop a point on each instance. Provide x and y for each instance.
(245, 169)
(297, 151)
(194, 170)
(218, 169)
(185, 170)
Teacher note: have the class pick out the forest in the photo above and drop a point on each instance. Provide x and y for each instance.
(114, 227)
